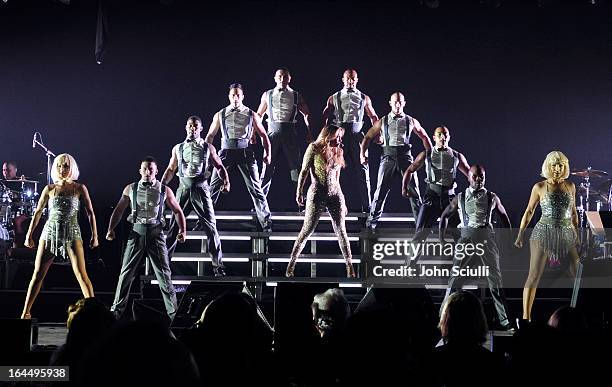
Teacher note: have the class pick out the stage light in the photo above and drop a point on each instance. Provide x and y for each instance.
(349, 285)
(311, 260)
(315, 238)
(174, 282)
(206, 259)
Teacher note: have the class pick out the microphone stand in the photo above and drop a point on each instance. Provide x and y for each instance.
(48, 153)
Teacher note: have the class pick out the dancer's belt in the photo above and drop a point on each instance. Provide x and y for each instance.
(353, 127)
(191, 181)
(234, 143)
(275, 126)
(141, 228)
(397, 150)
(440, 189)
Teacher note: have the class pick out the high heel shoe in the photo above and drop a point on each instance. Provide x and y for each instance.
(290, 269)
(350, 272)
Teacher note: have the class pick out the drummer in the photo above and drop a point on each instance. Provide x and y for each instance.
(9, 170)
(9, 174)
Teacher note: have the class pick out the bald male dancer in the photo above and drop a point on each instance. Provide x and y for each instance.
(395, 130)
(346, 108)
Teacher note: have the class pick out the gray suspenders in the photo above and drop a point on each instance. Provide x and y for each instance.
(160, 210)
(235, 143)
(385, 130)
(340, 112)
(361, 107)
(431, 169)
(295, 106)
(464, 215)
(180, 160)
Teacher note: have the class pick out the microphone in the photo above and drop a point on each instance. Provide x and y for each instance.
(34, 140)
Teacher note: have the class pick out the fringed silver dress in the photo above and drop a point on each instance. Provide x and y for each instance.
(62, 226)
(554, 232)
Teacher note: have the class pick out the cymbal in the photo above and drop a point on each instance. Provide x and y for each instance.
(589, 173)
(21, 181)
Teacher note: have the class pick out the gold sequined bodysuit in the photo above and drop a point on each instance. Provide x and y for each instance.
(554, 231)
(324, 194)
(62, 227)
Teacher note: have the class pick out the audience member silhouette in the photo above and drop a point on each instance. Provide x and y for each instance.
(88, 321)
(463, 360)
(231, 344)
(139, 353)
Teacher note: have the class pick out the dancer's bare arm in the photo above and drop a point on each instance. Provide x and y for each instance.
(117, 214)
(534, 200)
(415, 166)
(42, 203)
(178, 213)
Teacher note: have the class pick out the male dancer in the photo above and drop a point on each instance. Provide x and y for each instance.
(189, 160)
(146, 199)
(475, 207)
(395, 129)
(348, 106)
(441, 164)
(237, 123)
(282, 104)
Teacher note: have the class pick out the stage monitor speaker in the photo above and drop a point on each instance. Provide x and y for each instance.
(16, 338)
(151, 311)
(409, 309)
(198, 295)
(601, 223)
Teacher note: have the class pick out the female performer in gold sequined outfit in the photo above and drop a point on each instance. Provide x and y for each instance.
(61, 236)
(555, 234)
(323, 160)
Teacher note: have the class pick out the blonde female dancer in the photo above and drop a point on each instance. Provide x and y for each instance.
(556, 232)
(61, 236)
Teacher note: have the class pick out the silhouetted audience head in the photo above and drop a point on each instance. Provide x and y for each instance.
(231, 315)
(88, 321)
(330, 310)
(139, 353)
(568, 320)
(463, 319)
(230, 342)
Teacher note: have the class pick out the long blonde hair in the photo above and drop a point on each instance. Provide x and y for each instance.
(332, 155)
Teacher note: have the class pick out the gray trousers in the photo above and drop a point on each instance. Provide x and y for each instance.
(432, 206)
(393, 163)
(145, 241)
(195, 194)
(283, 136)
(358, 174)
(490, 258)
(244, 160)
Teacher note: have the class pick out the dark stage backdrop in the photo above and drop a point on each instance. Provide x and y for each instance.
(512, 83)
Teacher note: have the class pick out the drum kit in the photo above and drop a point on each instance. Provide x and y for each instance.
(595, 194)
(18, 199)
(593, 197)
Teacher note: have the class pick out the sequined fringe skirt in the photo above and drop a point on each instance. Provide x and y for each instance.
(555, 240)
(59, 237)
